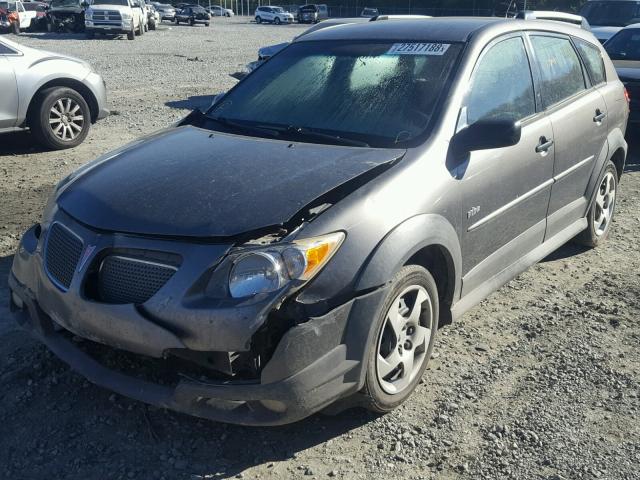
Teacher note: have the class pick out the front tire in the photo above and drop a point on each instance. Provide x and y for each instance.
(61, 118)
(258, 20)
(131, 35)
(277, 21)
(600, 214)
(15, 28)
(405, 332)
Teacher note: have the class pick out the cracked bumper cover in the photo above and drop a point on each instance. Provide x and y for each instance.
(315, 363)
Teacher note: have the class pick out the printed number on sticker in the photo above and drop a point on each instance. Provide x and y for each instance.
(418, 49)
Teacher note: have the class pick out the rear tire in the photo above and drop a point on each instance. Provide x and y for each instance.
(60, 119)
(600, 214)
(405, 331)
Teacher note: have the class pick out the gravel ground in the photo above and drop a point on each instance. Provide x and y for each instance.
(540, 381)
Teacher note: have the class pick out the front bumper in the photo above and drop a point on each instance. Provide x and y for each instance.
(315, 362)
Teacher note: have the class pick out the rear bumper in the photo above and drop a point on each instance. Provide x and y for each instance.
(315, 363)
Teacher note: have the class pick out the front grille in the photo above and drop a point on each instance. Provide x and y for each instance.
(131, 280)
(107, 16)
(62, 254)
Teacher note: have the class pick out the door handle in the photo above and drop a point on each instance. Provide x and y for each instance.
(544, 145)
(599, 116)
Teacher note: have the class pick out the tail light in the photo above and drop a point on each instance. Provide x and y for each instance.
(627, 96)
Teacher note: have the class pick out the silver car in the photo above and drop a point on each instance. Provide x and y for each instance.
(55, 96)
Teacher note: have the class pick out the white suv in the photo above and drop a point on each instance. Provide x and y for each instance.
(125, 17)
(275, 15)
(26, 17)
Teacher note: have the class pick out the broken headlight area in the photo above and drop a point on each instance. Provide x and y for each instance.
(268, 269)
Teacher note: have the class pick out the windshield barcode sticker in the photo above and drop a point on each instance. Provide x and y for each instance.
(418, 49)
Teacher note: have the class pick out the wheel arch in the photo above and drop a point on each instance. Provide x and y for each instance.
(76, 85)
(428, 240)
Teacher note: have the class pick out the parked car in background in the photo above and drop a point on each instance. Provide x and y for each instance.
(55, 96)
(624, 50)
(115, 17)
(39, 22)
(193, 15)
(9, 21)
(312, 13)
(303, 240)
(166, 11)
(369, 12)
(607, 17)
(66, 16)
(275, 15)
(153, 17)
(24, 17)
(218, 11)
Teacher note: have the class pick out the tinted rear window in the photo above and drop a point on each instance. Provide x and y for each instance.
(611, 13)
(560, 68)
(625, 45)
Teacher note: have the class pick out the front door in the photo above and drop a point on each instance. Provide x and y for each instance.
(505, 191)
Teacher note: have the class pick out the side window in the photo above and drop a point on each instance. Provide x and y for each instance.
(593, 60)
(560, 68)
(4, 50)
(502, 86)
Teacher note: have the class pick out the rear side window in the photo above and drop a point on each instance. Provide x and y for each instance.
(4, 50)
(593, 60)
(560, 68)
(502, 86)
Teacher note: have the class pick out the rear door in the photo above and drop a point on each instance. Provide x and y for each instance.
(8, 87)
(578, 114)
(505, 190)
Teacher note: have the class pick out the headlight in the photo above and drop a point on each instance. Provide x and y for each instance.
(88, 15)
(126, 16)
(269, 269)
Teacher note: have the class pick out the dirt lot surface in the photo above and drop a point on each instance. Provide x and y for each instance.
(540, 381)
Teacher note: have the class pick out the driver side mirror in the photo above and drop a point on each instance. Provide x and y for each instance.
(487, 134)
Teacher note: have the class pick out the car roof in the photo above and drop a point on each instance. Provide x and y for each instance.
(632, 26)
(445, 29)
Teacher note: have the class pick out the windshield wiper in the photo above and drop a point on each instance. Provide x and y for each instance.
(307, 133)
(233, 124)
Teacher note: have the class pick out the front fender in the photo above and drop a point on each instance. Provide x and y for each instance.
(406, 240)
(31, 78)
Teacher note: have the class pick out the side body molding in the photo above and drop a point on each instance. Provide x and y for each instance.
(406, 240)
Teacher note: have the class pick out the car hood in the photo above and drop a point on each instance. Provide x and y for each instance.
(192, 182)
(34, 56)
(77, 9)
(628, 69)
(604, 33)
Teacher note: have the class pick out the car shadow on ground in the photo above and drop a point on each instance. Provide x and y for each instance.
(53, 35)
(202, 102)
(19, 143)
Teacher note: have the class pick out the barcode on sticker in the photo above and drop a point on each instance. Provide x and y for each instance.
(418, 49)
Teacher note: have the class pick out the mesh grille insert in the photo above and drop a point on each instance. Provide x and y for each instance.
(130, 280)
(62, 254)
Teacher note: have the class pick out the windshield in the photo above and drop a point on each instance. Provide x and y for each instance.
(277, 10)
(9, 7)
(381, 93)
(111, 2)
(625, 45)
(611, 14)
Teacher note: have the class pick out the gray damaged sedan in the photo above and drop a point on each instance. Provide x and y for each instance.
(55, 96)
(301, 242)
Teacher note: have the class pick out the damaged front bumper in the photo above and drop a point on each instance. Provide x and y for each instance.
(315, 362)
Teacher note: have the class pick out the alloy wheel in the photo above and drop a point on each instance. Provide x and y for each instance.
(66, 119)
(404, 339)
(605, 203)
